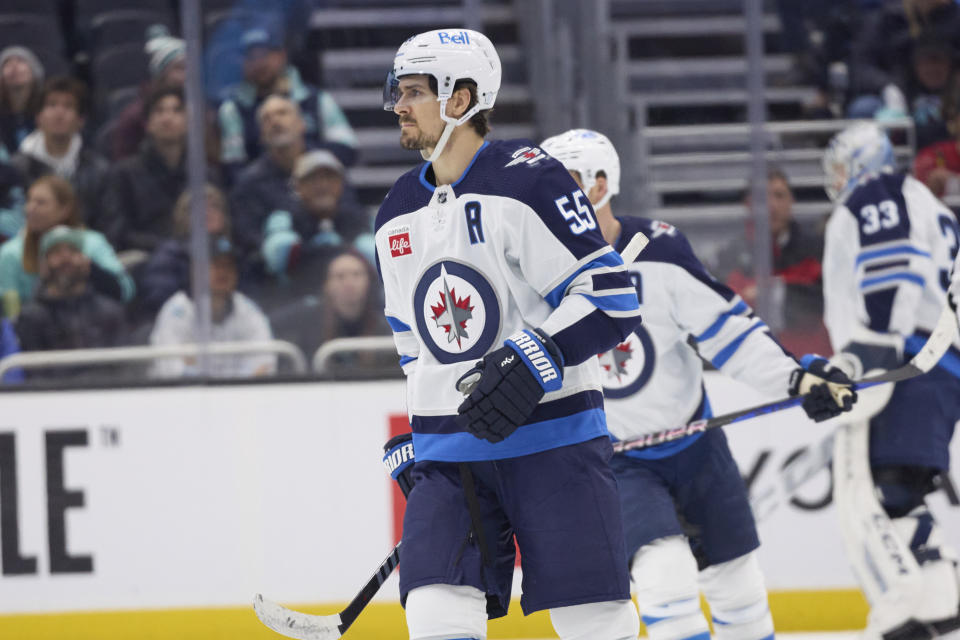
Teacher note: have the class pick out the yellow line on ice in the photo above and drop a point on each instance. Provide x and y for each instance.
(792, 611)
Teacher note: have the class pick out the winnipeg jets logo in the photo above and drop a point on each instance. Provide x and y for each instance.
(529, 155)
(452, 313)
(457, 312)
(627, 368)
(614, 362)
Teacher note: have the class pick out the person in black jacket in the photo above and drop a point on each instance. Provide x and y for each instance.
(56, 147)
(66, 313)
(142, 189)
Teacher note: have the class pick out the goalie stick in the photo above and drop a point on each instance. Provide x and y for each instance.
(305, 626)
(928, 356)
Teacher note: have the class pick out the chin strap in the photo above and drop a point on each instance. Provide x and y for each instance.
(441, 143)
(452, 123)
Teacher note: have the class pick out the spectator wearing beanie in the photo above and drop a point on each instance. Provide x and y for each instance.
(168, 68)
(21, 88)
(67, 312)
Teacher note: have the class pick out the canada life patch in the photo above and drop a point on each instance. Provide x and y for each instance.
(400, 244)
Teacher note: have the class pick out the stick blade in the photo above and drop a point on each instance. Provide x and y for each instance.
(293, 624)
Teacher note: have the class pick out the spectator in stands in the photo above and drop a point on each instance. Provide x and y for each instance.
(882, 52)
(930, 72)
(67, 312)
(52, 201)
(264, 186)
(236, 318)
(168, 269)
(321, 223)
(168, 68)
(11, 201)
(267, 72)
(938, 165)
(141, 190)
(349, 306)
(9, 345)
(796, 270)
(21, 88)
(56, 147)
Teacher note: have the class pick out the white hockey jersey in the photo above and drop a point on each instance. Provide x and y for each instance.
(888, 254)
(654, 379)
(512, 244)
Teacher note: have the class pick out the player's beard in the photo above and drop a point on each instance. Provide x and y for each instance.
(422, 140)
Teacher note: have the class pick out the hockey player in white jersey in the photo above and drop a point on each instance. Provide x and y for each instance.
(500, 291)
(889, 249)
(686, 513)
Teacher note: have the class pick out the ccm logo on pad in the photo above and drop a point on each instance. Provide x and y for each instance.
(400, 245)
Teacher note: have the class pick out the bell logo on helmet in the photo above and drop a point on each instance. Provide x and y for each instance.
(457, 38)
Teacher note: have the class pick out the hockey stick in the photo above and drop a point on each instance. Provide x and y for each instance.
(304, 626)
(637, 244)
(928, 356)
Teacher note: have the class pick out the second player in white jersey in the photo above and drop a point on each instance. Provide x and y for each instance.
(686, 514)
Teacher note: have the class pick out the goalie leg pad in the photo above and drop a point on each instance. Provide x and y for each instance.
(612, 620)
(938, 565)
(446, 612)
(902, 491)
(738, 599)
(665, 578)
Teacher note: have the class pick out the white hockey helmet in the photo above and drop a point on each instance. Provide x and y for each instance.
(448, 55)
(588, 153)
(860, 150)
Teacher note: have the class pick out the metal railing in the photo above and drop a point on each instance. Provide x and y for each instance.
(368, 344)
(115, 355)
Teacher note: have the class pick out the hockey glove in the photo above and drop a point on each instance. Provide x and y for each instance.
(826, 389)
(505, 387)
(398, 459)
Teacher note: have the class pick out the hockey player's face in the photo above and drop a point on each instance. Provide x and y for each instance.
(419, 113)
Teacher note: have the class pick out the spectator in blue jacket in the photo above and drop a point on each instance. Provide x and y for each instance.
(266, 73)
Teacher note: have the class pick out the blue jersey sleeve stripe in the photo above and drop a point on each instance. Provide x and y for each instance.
(619, 302)
(397, 325)
(727, 352)
(873, 254)
(905, 277)
(714, 328)
(406, 359)
(609, 259)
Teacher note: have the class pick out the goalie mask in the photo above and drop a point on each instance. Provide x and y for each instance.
(860, 150)
(448, 55)
(588, 153)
